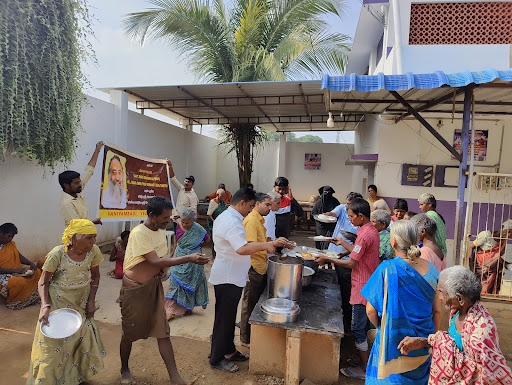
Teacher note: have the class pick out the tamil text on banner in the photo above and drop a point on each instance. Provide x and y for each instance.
(129, 181)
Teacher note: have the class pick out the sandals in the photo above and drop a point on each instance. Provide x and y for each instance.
(350, 373)
(226, 366)
(238, 357)
(353, 362)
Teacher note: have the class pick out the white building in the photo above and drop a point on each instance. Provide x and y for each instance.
(405, 37)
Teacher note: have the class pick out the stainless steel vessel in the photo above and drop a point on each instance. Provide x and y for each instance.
(280, 310)
(284, 278)
(307, 276)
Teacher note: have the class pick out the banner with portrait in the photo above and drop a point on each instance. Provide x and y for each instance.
(481, 137)
(128, 182)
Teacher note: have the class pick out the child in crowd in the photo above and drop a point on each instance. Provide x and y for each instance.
(117, 255)
(409, 214)
(399, 209)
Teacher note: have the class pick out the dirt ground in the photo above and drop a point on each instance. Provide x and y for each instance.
(189, 337)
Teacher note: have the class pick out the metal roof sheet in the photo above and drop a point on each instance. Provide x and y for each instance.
(304, 105)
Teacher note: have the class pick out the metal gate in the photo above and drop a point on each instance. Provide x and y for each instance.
(488, 235)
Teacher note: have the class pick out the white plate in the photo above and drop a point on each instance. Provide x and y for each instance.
(320, 238)
(63, 323)
(331, 254)
(325, 218)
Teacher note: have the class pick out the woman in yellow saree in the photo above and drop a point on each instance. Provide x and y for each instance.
(70, 279)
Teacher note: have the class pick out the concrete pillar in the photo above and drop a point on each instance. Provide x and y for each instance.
(120, 101)
(282, 155)
(188, 154)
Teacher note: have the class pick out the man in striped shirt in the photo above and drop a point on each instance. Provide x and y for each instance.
(364, 259)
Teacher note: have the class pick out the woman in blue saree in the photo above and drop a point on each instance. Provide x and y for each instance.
(188, 287)
(400, 296)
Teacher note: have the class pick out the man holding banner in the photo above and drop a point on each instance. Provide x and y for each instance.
(72, 202)
(186, 195)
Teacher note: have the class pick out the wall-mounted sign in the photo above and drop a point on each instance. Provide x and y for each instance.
(312, 161)
(417, 175)
(481, 137)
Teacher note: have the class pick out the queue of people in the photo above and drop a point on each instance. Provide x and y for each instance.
(391, 265)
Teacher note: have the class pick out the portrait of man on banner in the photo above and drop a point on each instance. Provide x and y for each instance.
(114, 189)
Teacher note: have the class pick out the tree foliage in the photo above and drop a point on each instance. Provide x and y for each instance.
(41, 47)
(251, 40)
(291, 137)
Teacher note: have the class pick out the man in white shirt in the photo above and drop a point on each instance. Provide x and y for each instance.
(229, 276)
(270, 218)
(186, 195)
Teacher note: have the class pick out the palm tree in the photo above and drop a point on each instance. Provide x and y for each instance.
(252, 40)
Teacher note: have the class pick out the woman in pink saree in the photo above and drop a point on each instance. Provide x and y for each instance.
(469, 352)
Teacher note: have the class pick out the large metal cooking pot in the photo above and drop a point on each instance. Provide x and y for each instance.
(284, 278)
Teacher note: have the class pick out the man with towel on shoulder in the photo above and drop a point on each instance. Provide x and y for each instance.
(142, 295)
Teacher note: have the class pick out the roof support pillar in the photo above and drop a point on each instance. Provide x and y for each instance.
(431, 129)
(459, 208)
(120, 101)
(282, 155)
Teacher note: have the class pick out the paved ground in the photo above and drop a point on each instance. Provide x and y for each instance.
(190, 336)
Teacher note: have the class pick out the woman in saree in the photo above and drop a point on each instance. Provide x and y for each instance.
(400, 296)
(18, 275)
(485, 258)
(376, 202)
(188, 287)
(469, 352)
(70, 279)
(216, 207)
(428, 205)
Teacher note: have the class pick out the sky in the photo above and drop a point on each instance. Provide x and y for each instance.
(121, 62)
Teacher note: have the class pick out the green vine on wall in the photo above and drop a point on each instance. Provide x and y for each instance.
(42, 44)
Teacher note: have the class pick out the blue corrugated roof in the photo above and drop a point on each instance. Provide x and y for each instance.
(367, 83)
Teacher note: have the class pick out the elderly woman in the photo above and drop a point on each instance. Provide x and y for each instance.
(428, 205)
(469, 353)
(188, 287)
(18, 275)
(400, 296)
(70, 279)
(215, 207)
(430, 250)
(485, 258)
(381, 220)
(376, 202)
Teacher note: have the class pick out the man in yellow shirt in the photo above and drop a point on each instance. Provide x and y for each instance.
(255, 232)
(72, 203)
(142, 296)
